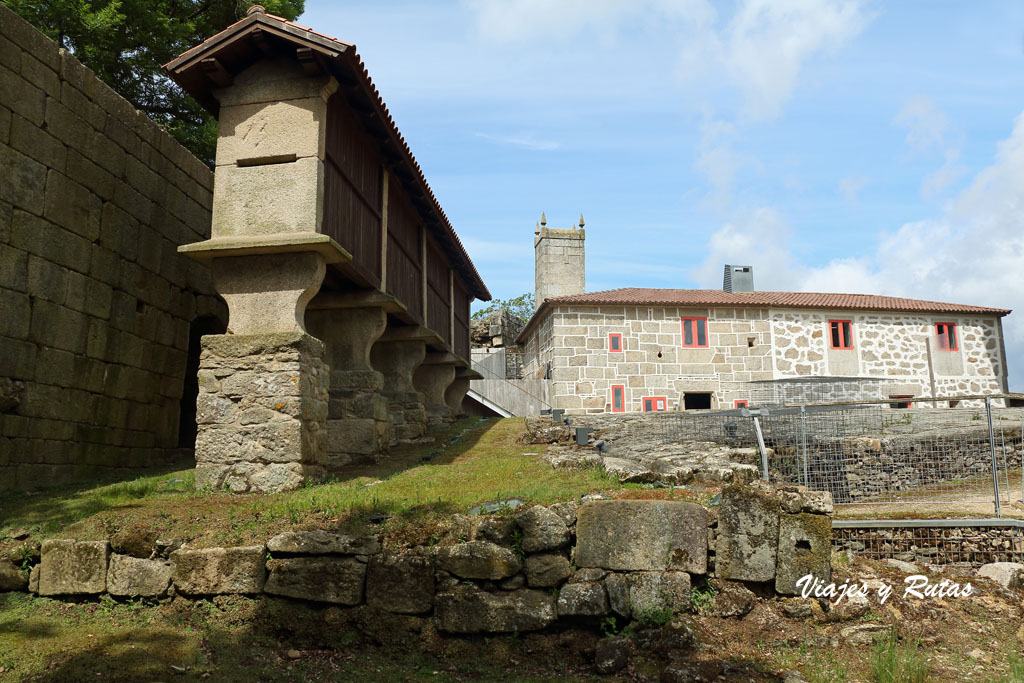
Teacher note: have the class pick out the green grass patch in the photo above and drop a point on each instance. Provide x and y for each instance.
(892, 663)
(469, 462)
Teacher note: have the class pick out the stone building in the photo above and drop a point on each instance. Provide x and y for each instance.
(316, 245)
(635, 349)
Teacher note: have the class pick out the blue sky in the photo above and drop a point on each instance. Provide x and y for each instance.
(835, 146)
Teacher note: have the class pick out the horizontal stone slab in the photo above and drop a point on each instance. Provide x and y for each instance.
(338, 580)
(639, 535)
(478, 560)
(322, 543)
(138, 578)
(471, 610)
(217, 571)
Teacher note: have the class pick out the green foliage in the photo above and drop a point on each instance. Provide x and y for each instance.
(125, 43)
(702, 599)
(521, 307)
(1015, 674)
(891, 663)
(655, 615)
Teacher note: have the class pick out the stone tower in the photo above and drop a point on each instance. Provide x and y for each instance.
(559, 268)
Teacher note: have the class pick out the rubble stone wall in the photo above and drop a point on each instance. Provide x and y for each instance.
(95, 302)
(502, 573)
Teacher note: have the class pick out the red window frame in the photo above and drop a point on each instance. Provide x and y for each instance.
(901, 402)
(617, 337)
(740, 403)
(654, 402)
(843, 331)
(622, 398)
(945, 334)
(694, 332)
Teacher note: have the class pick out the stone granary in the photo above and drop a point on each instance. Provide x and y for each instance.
(347, 289)
(637, 349)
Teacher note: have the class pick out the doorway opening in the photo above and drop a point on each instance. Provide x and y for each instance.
(697, 401)
(200, 327)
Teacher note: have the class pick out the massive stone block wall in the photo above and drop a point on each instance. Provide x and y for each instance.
(95, 302)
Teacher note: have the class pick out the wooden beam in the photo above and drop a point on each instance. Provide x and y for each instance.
(384, 229)
(408, 333)
(309, 61)
(259, 36)
(216, 72)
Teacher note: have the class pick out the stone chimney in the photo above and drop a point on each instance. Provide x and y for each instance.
(559, 268)
(738, 279)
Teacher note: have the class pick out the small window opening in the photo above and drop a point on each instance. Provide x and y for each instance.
(701, 401)
(803, 544)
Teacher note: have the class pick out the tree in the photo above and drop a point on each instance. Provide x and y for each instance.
(125, 42)
(520, 306)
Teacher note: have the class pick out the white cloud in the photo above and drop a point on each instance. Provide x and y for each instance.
(850, 187)
(926, 124)
(936, 183)
(768, 41)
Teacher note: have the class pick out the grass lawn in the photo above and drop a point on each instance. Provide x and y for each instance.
(407, 497)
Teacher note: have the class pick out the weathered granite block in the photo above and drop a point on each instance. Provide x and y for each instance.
(748, 534)
(582, 600)
(654, 592)
(400, 583)
(470, 610)
(73, 567)
(319, 542)
(546, 569)
(805, 547)
(12, 578)
(135, 577)
(637, 535)
(216, 571)
(478, 560)
(542, 529)
(337, 580)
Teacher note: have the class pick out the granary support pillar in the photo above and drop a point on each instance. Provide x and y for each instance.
(357, 415)
(432, 380)
(398, 355)
(456, 391)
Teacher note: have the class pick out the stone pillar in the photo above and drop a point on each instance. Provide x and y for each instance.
(398, 361)
(456, 392)
(357, 416)
(432, 380)
(261, 413)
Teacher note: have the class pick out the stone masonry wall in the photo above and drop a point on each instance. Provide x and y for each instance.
(748, 347)
(95, 302)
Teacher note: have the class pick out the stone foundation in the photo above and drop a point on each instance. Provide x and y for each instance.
(398, 361)
(431, 382)
(261, 412)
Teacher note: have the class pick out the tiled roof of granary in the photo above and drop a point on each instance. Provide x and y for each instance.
(345, 64)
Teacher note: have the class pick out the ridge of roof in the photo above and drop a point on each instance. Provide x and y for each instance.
(348, 51)
(644, 296)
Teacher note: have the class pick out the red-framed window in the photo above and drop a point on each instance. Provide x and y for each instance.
(901, 402)
(840, 333)
(655, 404)
(739, 403)
(945, 333)
(615, 342)
(695, 333)
(618, 398)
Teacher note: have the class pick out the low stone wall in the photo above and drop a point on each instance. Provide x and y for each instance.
(635, 559)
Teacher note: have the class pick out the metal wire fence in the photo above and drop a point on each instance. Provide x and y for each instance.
(869, 453)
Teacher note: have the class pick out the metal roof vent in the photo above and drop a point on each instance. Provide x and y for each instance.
(738, 279)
